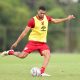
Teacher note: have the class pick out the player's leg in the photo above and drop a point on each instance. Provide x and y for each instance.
(20, 54)
(17, 54)
(28, 49)
(46, 55)
(45, 52)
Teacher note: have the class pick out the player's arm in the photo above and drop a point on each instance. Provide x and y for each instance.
(25, 31)
(62, 20)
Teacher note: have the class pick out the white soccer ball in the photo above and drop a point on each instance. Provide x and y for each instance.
(35, 71)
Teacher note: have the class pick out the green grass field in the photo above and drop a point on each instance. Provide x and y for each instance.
(61, 67)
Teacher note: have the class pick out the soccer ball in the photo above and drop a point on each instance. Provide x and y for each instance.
(35, 71)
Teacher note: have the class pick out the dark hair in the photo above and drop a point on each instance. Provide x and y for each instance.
(42, 8)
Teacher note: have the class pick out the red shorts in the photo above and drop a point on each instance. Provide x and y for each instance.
(34, 45)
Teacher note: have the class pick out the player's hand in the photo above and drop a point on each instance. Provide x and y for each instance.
(14, 45)
(70, 17)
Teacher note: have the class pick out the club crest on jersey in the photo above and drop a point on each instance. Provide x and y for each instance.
(42, 22)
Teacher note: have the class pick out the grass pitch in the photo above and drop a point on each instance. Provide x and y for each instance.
(61, 67)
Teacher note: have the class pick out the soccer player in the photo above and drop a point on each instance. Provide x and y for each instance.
(37, 38)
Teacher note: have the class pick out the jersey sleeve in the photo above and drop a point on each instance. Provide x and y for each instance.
(31, 23)
(49, 18)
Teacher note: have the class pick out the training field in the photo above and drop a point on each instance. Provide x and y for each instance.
(61, 67)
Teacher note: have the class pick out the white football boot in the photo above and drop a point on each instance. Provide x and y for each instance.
(44, 74)
(4, 53)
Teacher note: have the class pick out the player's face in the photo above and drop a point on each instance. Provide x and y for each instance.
(41, 13)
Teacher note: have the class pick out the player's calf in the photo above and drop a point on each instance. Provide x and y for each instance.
(22, 55)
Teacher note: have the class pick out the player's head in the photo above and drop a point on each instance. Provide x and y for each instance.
(41, 11)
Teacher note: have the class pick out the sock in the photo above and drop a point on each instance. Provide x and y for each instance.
(42, 69)
(11, 52)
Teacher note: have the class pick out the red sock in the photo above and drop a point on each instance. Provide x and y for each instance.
(42, 69)
(11, 52)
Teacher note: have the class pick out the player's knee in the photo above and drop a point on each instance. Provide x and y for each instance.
(46, 54)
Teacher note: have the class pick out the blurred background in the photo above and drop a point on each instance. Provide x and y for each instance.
(62, 37)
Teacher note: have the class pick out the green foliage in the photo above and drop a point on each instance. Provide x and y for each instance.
(55, 11)
(13, 13)
(49, 4)
(56, 31)
(3, 38)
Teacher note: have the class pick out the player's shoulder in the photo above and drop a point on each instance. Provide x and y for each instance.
(31, 19)
(31, 22)
(48, 17)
